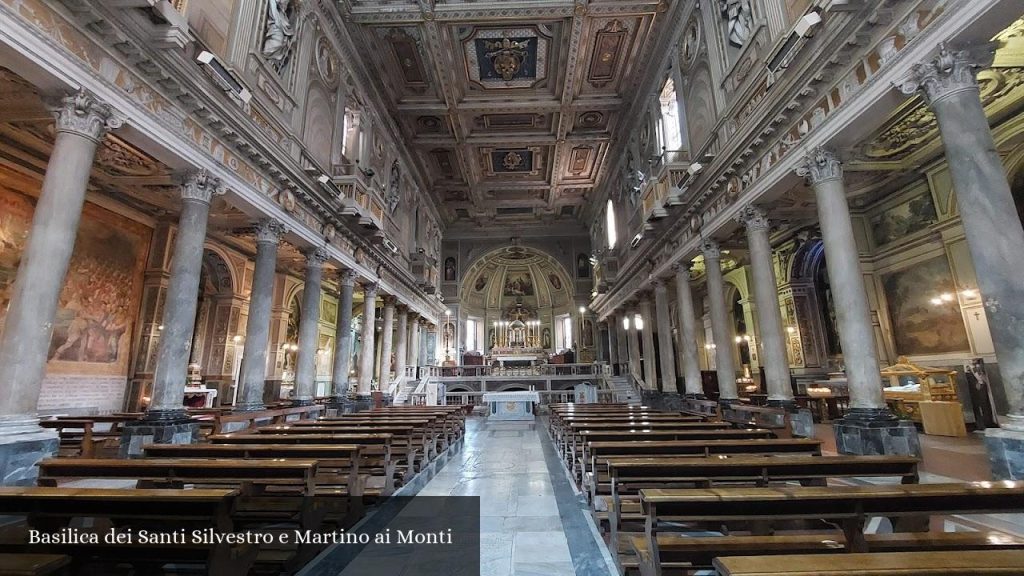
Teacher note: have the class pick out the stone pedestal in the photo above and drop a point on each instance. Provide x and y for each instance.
(19, 454)
(137, 434)
(1005, 453)
(865, 433)
(669, 401)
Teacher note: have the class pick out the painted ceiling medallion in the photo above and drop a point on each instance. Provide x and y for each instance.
(506, 57)
(512, 161)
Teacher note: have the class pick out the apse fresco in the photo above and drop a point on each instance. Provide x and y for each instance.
(518, 284)
(919, 326)
(99, 302)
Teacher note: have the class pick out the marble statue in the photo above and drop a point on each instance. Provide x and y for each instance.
(741, 20)
(280, 36)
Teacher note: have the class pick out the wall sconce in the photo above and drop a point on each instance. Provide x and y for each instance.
(638, 321)
(791, 329)
(944, 298)
(710, 346)
(625, 322)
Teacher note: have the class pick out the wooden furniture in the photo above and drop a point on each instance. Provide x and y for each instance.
(33, 564)
(749, 416)
(905, 385)
(757, 511)
(707, 409)
(79, 435)
(952, 563)
(942, 418)
(235, 421)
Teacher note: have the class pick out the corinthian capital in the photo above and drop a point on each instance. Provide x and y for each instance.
(83, 114)
(753, 218)
(950, 72)
(821, 165)
(315, 257)
(347, 277)
(711, 250)
(269, 231)
(200, 185)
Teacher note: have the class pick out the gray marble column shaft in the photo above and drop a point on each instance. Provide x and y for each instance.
(343, 335)
(401, 340)
(666, 351)
(987, 209)
(182, 298)
(633, 338)
(595, 328)
(81, 123)
(387, 335)
(257, 329)
(853, 314)
(613, 341)
(769, 315)
(724, 363)
(309, 327)
(647, 337)
(688, 351)
(622, 335)
(414, 341)
(367, 349)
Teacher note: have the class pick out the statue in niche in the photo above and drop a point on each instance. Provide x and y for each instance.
(279, 37)
(394, 194)
(741, 20)
(634, 179)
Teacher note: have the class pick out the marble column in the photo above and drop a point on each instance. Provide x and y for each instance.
(667, 354)
(993, 230)
(622, 335)
(343, 337)
(414, 343)
(387, 335)
(253, 372)
(633, 337)
(688, 350)
(868, 427)
(595, 328)
(724, 363)
(309, 327)
(769, 314)
(401, 340)
(81, 123)
(613, 343)
(180, 307)
(647, 338)
(367, 350)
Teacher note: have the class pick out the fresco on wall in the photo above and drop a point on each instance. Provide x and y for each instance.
(582, 266)
(449, 269)
(518, 284)
(919, 326)
(903, 219)
(100, 299)
(556, 282)
(481, 283)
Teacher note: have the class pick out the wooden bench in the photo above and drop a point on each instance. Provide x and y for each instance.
(582, 437)
(777, 420)
(79, 435)
(237, 421)
(50, 509)
(33, 564)
(758, 511)
(428, 436)
(570, 440)
(597, 452)
(710, 410)
(959, 563)
(375, 450)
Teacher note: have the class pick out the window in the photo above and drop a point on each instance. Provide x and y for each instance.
(670, 117)
(472, 342)
(609, 215)
(566, 342)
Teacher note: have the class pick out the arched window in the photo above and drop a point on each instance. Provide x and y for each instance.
(610, 224)
(672, 139)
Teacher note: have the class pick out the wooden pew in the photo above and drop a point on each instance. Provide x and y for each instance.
(50, 509)
(710, 410)
(777, 420)
(757, 510)
(409, 444)
(597, 476)
(375, 447)
(33, 564)
(958, 563)
(79, 436)
(248, 420)
(580, 438)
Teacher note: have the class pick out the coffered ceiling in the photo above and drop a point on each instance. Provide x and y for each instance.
(510, 106)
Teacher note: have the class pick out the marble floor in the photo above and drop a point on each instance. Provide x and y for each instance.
(533, 522)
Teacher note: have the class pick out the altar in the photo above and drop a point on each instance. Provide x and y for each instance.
(511, 405)
(506, 357)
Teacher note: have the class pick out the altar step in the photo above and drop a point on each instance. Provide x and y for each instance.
(624, 391)
(402, 396)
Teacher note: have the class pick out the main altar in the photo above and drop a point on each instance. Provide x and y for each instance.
(517, 341)
(511, 405)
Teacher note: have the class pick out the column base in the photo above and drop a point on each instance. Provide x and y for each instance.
(1005, 453)
(249, 407)
(22, 445)
(302, 402)
(695, 396)
(726, 402)
(137, 434)
(361, 403)
(801, 421)
(662, 400)
(875, 431)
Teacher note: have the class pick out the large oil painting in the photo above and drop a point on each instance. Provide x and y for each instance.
(919, 326)
(903, 219)
(518, 284)
(100, 299)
